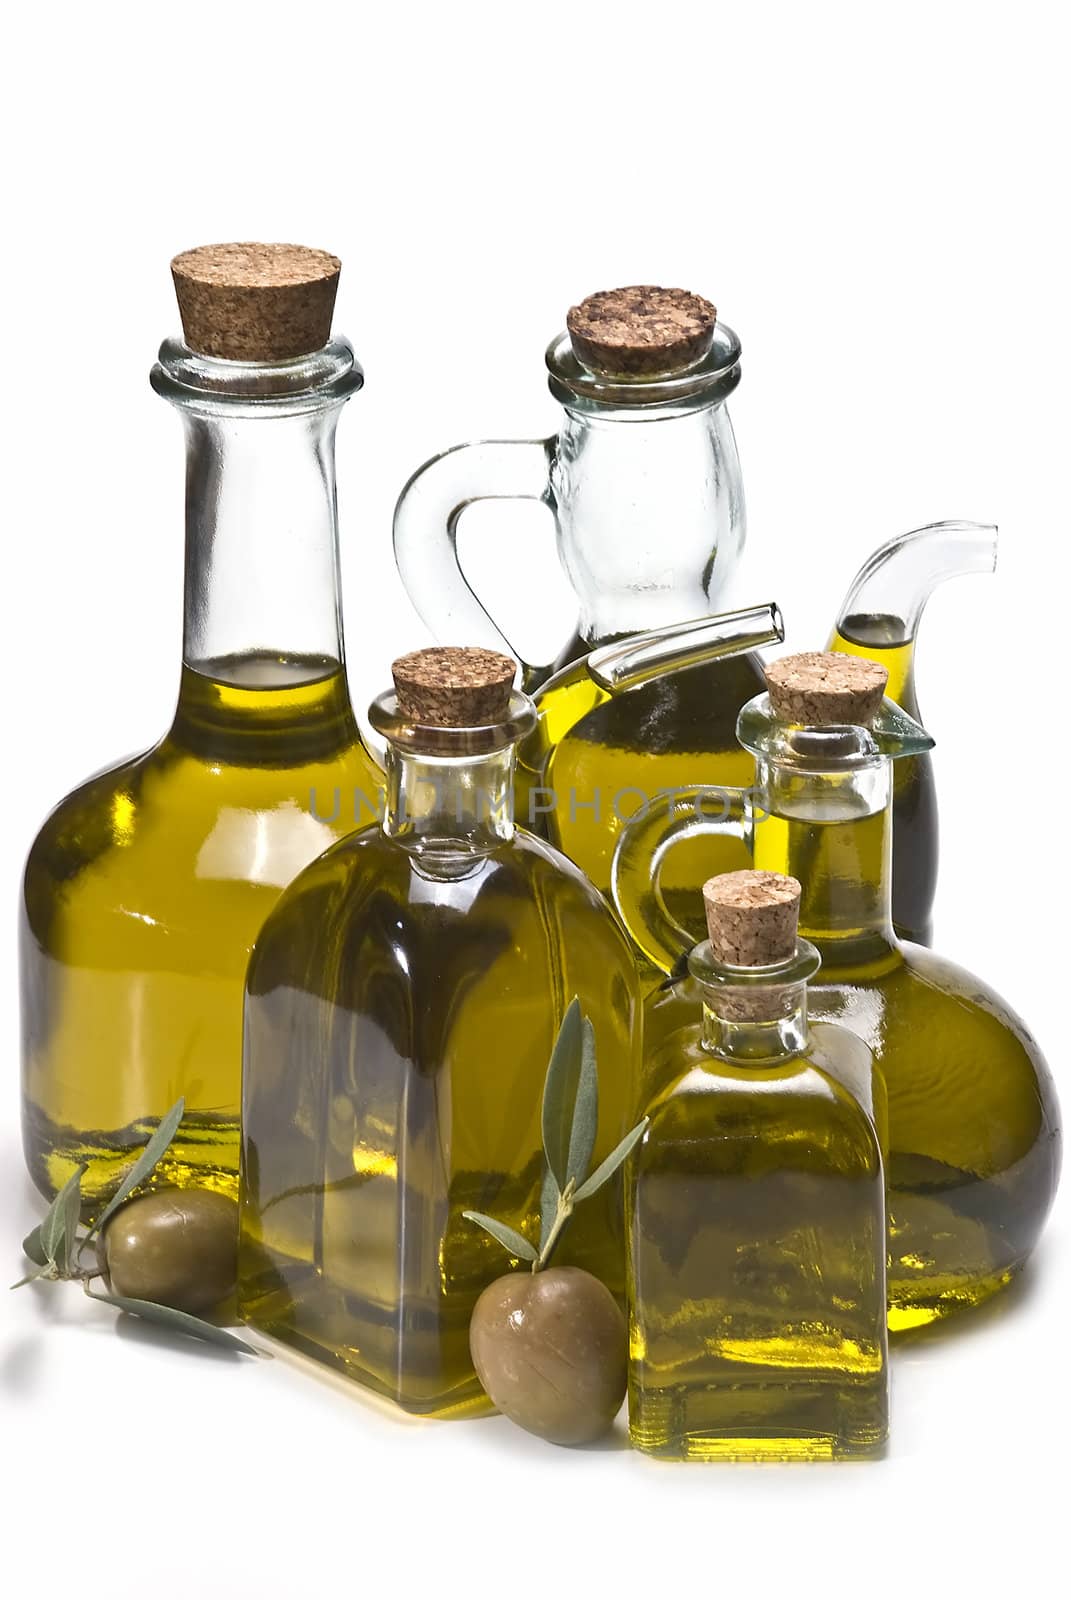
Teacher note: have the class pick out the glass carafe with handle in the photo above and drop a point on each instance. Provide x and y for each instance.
(879, 619)
(973, 1123)
(643, 480)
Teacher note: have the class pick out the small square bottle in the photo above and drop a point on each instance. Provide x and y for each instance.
(756, 1211)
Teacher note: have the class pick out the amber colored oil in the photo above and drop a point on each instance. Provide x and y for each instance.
(400, 1017)
(756, 1233)
(600, 764)
(915, 850)
(143, 894)
(974, 1140)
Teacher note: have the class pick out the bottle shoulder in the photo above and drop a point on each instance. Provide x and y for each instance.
(371, 890)
(924, 995)
(522, 862)
(161, 828)
(805, 1106)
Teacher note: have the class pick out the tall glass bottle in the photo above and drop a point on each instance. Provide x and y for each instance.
(643, 480)
(403, 1000)
(879, 619)
(145, 888)
(974, 1129)
(755, 1210)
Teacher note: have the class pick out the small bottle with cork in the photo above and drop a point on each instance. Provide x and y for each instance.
(146, 887)
(755, 1210)
(402, 1003)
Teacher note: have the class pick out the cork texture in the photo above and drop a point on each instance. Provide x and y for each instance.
(819, 689)
(752, 917)
(752, 920)
(641, 331)
(454, 686)
(256, 302)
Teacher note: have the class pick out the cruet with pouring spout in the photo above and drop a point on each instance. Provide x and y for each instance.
(973, 1125)
(879, 619)
(643, 480)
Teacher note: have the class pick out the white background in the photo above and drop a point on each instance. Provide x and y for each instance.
(876, 199)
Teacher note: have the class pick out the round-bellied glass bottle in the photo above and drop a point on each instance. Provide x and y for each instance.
(402, 1003)
(755, 1210)
(145, 888)
(974, 1140)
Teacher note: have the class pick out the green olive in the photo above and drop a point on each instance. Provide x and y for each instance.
(550, 1348)
(178, 1247)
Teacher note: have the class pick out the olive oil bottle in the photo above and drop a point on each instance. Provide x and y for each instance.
(643, 479)
(755, 1211)
(879, 620)
(973, 1122)
(145, 888)
(402, 1002)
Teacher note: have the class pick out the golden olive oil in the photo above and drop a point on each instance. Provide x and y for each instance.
(594, 768)
(974, 1148)
(143, 894)
(915, 827)
(403, 1002)
(755, 1219)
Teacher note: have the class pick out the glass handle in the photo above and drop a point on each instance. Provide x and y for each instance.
(668, 819)
(425, 532)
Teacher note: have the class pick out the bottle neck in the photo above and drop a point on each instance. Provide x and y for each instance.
(751, 1040)
(449, 809)
(650, 513)
(262, 589)
(832, 831)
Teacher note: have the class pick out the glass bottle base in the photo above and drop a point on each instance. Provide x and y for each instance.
(431, 1377)
(803, 1421)
(203, 1155)
(936, 1301)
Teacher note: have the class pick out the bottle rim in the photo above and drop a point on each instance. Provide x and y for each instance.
(210, 385)
(708, 382)
(425, 739)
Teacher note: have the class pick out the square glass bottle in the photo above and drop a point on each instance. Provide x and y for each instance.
(401, 1006)
(755, 1211)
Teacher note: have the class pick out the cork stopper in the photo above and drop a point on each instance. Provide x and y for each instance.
(643, 331)
(752, 917)
(819, 689)
(256, 302)
(454, 686)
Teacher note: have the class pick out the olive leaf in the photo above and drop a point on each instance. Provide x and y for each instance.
(607, 1168)
(570, 1122)
(165, 1132)
(72, 1215)
(47, 1271)
(58, 1229)
(549, 1203)
(33, 1249)
(178, 1321)
(585, 1108)
(514, 1242)
(560, 1091)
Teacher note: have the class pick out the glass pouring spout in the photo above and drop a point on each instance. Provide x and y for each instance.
(887, 596)
(879, 619)
(642, 658)
(614, 677)
(628, 663)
